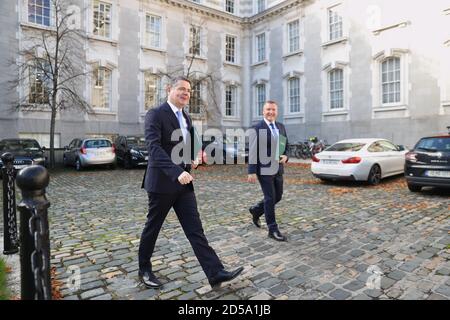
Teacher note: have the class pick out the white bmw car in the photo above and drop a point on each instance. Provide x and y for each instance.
(359, 160)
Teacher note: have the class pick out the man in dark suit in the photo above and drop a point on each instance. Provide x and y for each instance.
(169, 185)
(266, 166)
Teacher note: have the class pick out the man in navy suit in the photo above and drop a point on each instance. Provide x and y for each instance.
(169, 185)
(266, 166)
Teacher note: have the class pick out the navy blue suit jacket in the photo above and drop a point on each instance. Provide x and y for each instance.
(161, 175)
(254, 150)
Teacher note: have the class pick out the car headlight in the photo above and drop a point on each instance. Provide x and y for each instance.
(135, 153)
(38, 159)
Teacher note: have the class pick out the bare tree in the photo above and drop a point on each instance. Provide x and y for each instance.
(51, 66)
(200, 105)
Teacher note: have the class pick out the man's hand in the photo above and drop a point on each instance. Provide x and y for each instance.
(283, 159)
(194, 164)
(185, 178)
(251, 178)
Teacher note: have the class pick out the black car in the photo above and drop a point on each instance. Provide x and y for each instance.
(428, 164)
(232, 151)
(131, 151)
(26, 152)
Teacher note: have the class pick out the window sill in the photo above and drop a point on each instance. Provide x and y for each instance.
(388, 108)
(335, 41)
(96, 111)
(259, 63)
(103, 39)
(294, 115)
(202, 58)
(335, 113)
(231, 119)
(292, 54)
(35, 107)
(37, 26)
(231, 64)
(148, 48)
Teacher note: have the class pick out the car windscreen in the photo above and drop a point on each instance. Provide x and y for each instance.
(441, 144)
(346, 147)
(97, 144)
(17, 145)
(136, 141)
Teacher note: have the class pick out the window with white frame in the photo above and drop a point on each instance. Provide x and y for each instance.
(390, 80)
(294, 94)
(293, 29)
(39, 12)
(229, 6)
(101, 88)
(102, 19)
(230, 100)
(153, 90)
(336, 89)
(260, 47)
(334, 24)
(39, 80)
(194, 40)
(195, 103)
(230, 48)
(260, 6)
(260, 98)
(153, 27)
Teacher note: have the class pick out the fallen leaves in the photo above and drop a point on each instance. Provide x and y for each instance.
(56, 285)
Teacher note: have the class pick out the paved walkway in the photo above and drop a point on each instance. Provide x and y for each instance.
(346, 241)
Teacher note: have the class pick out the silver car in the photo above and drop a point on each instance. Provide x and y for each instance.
(82, 153)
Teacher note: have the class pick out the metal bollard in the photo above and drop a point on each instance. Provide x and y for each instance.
(10, 241)
(34, 234)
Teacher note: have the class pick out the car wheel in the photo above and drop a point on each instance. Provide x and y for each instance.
(414, 188)
(374, 175)
(64, 161)
(112, 166)
(78, 165)
(127, 162)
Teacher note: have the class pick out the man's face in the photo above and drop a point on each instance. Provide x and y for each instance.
(270, 112)
(180, 93)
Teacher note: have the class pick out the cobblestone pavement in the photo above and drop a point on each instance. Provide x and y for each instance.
(346, 241)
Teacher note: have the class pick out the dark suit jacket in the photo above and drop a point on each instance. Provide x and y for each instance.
(161, 175)
(255, 162)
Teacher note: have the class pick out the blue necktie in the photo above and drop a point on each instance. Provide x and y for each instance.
(275, 135)
(181, 123)
(274, 130)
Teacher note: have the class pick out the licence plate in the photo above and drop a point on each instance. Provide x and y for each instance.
(19, 166)
(330, 161)
(440, 174)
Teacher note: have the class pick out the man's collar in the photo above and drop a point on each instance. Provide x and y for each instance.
(173, 107)
(268, 123)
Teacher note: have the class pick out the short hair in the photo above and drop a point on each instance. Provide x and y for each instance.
(270, 102)
(175, 80)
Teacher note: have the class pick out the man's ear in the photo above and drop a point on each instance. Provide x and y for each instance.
(168, 87)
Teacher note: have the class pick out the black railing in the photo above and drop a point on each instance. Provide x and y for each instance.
(10, 240)
(34, 234)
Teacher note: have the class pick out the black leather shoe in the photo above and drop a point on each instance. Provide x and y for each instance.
(277, 236)
(149, 280)
(255, 217)
(224, 276)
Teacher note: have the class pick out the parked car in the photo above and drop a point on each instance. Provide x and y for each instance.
(428, 163)
(359, 160)
(26, 152)
(232, 152)
(131, 151)
(86, 152)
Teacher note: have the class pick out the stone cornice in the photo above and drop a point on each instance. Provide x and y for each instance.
(202, 9)
(218, 14)
(273, 11)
